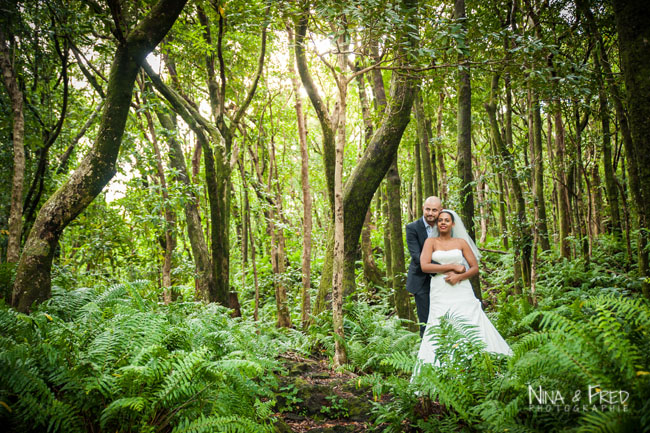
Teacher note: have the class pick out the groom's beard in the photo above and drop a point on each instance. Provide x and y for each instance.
(431, 221)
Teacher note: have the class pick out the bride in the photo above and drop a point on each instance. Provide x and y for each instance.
(451, 292)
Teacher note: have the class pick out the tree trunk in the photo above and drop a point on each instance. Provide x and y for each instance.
(17, 137)
(602, 64)
(323, 115)
(538, 170)
(433, 154)
(416, 186)
(403, 305)
(426, 190)
(305, 309)
(464, 161)
(632, 17)
(442, 185)
(564, 220)
(482, 193)
(388, 250)
(217, 165)
(501, 193)
(278, 254)
(205, 280)
(373, 165)
(608, 167)
(251, 238)
(596, 199)
(33, 282)
(340, 355)
(170, 218)
(371, 272)
(521, 232)
(579, 175)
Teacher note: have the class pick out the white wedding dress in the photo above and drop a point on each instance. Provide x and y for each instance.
(459, 301)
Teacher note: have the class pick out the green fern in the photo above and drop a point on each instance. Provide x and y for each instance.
(226, 424)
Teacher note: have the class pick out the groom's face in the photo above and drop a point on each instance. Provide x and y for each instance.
(430, 210)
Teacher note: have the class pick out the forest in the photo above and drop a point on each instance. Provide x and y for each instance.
(204, 209)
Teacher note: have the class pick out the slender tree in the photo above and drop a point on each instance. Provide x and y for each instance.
(305, 310)
(10, 81)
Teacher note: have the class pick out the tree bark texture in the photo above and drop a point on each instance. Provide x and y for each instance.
(427, 188)
(464, 160)
(319, 106)
(372, 274)
(373, 165)
(33, 282)
(10, 81)
(388, 251)
(402, 299)
(521, 233)
(441, 185)
(564, 213)
(632, 17)
(538, 169)
(204, 270)
(305, 296)
(608, 168)
(170, 217)
(278, 250)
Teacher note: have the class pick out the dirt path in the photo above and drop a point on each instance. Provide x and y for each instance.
(316, 399)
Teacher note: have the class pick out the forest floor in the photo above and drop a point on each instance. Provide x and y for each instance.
(317, 399)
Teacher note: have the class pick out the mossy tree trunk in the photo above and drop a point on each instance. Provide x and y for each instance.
(521, 239)
(218, 167)
(169, 228)
(205, 283)
(632, 17)
(401, 297)
(327, 128)
(278, 244)
(371, 272)
(423, 154)
(305, 310)
(33, 283)
(538, 173)
(366, 176)
(464, 160)
(10, 81)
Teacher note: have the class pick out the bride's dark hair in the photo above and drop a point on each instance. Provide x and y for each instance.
(448, 213)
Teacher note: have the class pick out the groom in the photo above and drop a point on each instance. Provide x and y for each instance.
(417, 282)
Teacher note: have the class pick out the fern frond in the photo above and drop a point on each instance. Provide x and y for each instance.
(226, 424)
(128, 404)
(400, 361)
(607, 422)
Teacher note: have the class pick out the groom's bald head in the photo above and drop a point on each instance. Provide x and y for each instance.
(430, 209)
(433, 201)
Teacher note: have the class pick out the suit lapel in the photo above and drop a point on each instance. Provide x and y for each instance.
(422, 232)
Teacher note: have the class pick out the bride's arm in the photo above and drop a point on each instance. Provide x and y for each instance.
(428, 267)
(471, 260)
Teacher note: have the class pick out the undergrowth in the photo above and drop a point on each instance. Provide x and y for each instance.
(114, 359)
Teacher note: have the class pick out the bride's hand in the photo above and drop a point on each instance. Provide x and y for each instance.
(452, 278)
(459, 269)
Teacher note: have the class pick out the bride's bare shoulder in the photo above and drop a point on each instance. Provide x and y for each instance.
(430, 241)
